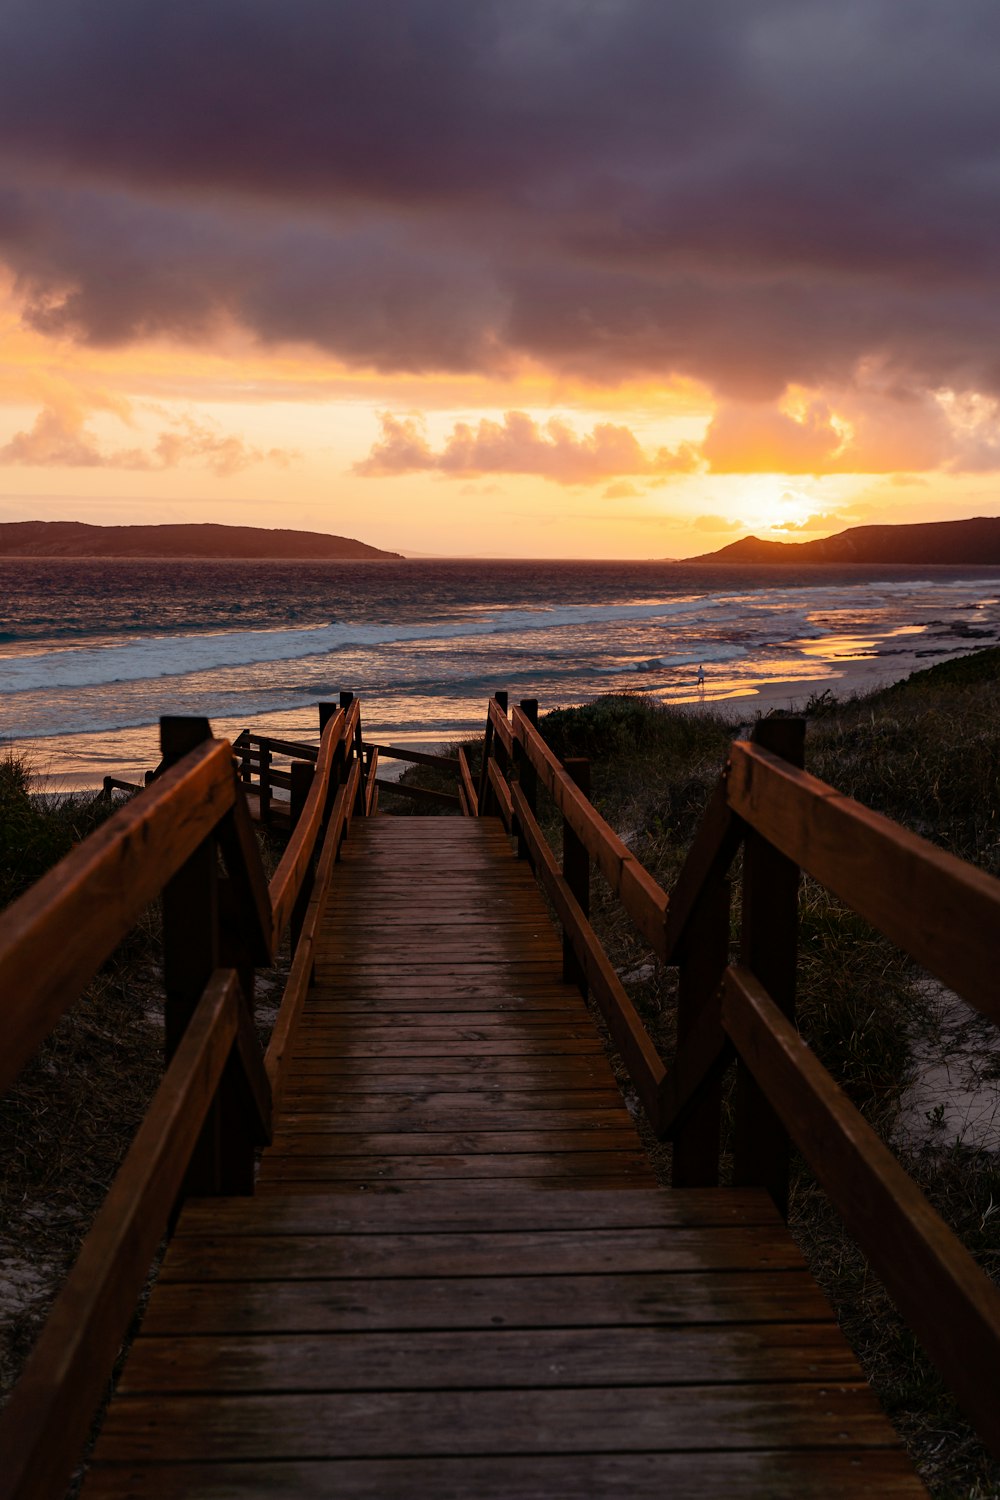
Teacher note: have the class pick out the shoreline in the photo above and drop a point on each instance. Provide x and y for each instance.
(79, 761)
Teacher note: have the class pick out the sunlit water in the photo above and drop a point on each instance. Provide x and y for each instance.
(92, 653)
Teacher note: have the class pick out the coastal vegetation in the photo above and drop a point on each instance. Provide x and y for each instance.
(925, 752)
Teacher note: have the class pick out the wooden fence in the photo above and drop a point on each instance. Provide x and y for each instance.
(214, 1105)
(943, 912)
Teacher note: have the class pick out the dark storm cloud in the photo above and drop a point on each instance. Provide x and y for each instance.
(748, 191)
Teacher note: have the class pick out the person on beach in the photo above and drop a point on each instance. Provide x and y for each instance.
(701, 676)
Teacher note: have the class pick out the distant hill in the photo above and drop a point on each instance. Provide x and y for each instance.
(77, 539)
(954, 542)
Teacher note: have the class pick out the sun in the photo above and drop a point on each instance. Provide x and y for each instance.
(767, 503)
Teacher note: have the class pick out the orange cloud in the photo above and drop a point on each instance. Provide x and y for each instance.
(869, 429)
(519, 445)
(58, 438)
(717, 523)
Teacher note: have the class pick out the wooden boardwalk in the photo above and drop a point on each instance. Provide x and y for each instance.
(458, 1277)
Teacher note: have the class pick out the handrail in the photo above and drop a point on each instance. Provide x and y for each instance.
(294, 863)
(48, 1415)
(952, 1305)
(642, 898)
(414, 757)
(55, 936)
(630, 1036)
(297, 749)
(500, 724)
(466, 784)
(943, 911)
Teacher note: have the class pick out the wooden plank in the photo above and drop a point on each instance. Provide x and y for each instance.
(507, 1359)
(501, 790)
(47, 1417)
(479, 1027)
(951, 1305)
(54, 937)
(464, 1071)
(636, 1299)
(639, 893)
(466, 1142)
(428, 1166)
(556, 1180)
(440, 1104)
(371, 1113)
(739, 1475)
(568, 1252)
(513, 1047)
(434, 1209)
(402, 789)
(411, 1423)
(414, 757)
(296, 749)
(434, 1004)
(944, 912)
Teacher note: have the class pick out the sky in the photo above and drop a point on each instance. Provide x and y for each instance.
(549, 278)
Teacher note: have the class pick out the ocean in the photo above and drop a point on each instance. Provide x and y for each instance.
(92, 652)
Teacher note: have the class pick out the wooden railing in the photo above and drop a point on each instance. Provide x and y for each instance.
(261, 773)
(213, 1107)
(940, 910)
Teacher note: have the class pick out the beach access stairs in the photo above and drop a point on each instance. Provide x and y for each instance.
(415, 1246)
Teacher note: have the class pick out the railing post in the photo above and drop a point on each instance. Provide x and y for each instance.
(265, 783)
(703, 960)
(527, 778)
(326, 713)
(356, 749)
(487, 800)
(769, 949)
(191, 947)
(241, 745)
(234, 1143)
(303, 772)
(576, 873)
(485, 795)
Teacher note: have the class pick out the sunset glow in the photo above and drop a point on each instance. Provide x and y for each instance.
(466, 324)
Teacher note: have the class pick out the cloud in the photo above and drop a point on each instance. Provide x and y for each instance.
(622, 489)
(59, 439)
(519, 445)
(717, 523)
(754, 195)
(870, 428)
(821, 521)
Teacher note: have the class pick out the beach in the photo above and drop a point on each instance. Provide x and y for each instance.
(91, 653)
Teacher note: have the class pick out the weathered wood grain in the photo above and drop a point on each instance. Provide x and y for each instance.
(53, 939)
(46, 1419)
(951, 1305)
